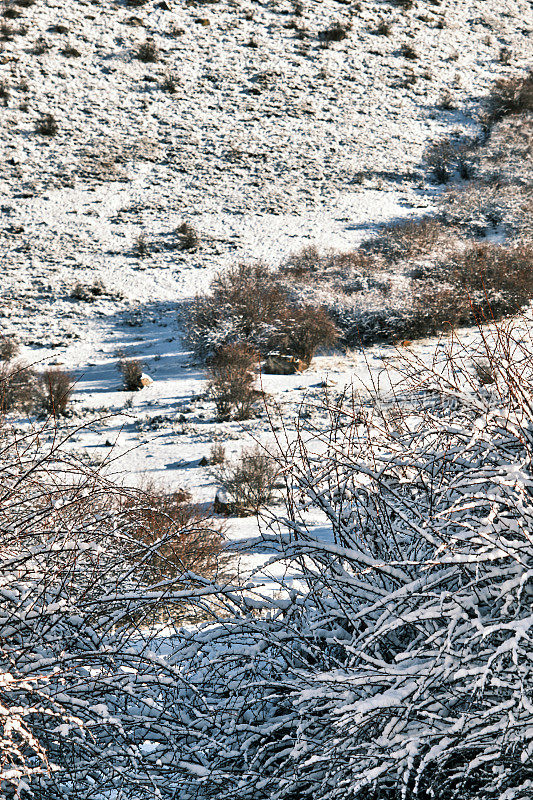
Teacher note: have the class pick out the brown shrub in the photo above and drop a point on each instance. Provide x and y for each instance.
(495, 269)
(189, 236)
(57, 386)
(8, 348)
(252, 292)
(189, 538)
(131, 370)
(19, 387)
(231, 378)
(47, 125)
(301, 331)
(249, 481)
(336, 33)
(148, 52)
(441, 157)
(511, 96)
(408, 239)
(485, 281)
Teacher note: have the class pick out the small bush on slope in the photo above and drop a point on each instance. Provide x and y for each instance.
(399, 665)
(231, 380)
(250, 305)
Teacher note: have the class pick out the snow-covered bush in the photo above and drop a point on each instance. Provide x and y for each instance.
(232, 374)
(398, 664)
(88, 708)
(249, 305)
(392, 662)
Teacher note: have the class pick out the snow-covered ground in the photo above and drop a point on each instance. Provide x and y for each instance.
(270, 141)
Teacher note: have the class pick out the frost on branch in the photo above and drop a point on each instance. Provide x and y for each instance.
(396, 665)
(400, 667)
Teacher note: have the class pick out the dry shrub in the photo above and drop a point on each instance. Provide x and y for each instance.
(19, 387)
(336, 32)
(9, 348)
(131, 370)
(217, 454)
(511, 96)
(253, 293)
(434, 309)
(408, 239)
(148, 52)
(57, 386)
(441, 156)
(47, 125)
(484, 281)
(188, 538)
(301, 331)
(189, 236)
(498, 276)
(231, 378)
(309, 265)
(249, 481)
(249, 304)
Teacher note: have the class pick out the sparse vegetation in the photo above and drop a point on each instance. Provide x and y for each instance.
(408, 51)
(184, 536)
(19, 387)
(250, 304)
(336, 32)
(148, 52)
(47, 125)
(57, 386)
(88, 293)
(141, 248)
(131, 370)
(248, 481)
(217, 454)
(511, 96)
(188, 236)
(9, 347)
(232, 373)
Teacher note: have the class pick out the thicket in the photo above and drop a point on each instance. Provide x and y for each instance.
(88, 704)
(249, 304)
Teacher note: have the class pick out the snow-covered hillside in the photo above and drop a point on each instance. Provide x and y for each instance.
(252, 124)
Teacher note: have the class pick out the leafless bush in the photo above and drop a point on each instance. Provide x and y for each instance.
(440, 156)
(57, 387)
(390, 665)
(141, 248)
(81, 672)
(19, 387)
(408, 239)
(408, 51)
(249, 481)
(511, 96)
(250, 304)
(131, 370)
(47, 125)
(217, 454)
(336, 32)
(188, 539)
(301, 331)
(9, 348)
(148, 52)
(232, 373)
(189, 237)
(88, 293)
(499, 277)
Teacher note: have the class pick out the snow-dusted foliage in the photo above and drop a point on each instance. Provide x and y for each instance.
(395, 664)
(399, 665)
(87, 707)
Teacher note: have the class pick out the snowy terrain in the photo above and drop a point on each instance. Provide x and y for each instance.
(269, 141)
